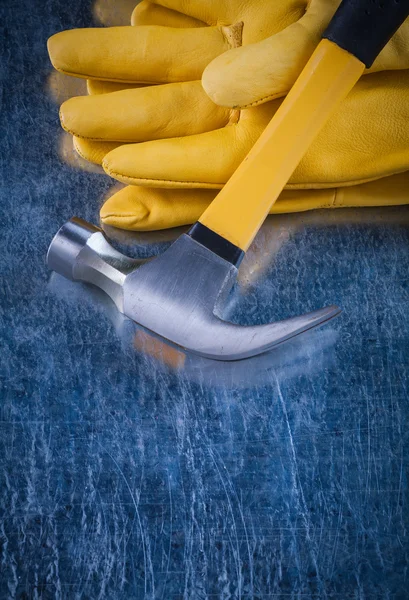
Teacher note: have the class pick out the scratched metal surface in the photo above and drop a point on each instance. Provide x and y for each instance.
(130, 471)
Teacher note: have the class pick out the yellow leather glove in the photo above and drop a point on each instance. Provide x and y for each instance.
(266, 64)
(175, 147)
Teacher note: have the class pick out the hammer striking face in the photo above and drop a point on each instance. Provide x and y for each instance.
(177, 295)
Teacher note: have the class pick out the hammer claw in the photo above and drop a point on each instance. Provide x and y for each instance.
(244, 342)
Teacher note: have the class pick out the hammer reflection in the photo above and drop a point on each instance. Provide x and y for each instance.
(277, 230)
(303, 355)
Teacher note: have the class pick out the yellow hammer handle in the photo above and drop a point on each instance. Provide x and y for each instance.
(240, 208)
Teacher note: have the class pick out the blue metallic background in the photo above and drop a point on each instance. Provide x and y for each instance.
(129, 471)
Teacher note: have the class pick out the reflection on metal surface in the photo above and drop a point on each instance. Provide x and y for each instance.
(113, 13)
(261, 254)
(164, 353)
(299, 357)
(60, 87)
(68, 155)
(278, 230)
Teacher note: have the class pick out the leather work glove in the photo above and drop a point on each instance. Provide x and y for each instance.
(175, 147)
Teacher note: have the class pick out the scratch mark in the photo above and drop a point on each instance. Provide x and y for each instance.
(135, 503)
(298, 486)
(244, 525)
(237, 560)
(170, 536)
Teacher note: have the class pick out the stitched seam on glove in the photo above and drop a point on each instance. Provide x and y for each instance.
(206, 185)
(136, 180)
(233, 120)
(112, 79)
(263, 100)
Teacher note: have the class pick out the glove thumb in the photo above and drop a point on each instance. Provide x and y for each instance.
(259, 72)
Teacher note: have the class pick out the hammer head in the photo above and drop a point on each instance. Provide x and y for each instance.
(177, 295)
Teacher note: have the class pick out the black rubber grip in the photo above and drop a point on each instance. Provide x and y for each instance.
(364, 27)
(216, 243)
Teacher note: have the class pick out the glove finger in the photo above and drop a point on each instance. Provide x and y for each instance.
(147, 113)
(388, 191)
(137, 54)
(96, 86)
(148, 209)
(93, 152)
(206, 160)
(257, 73)
(146, 13)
